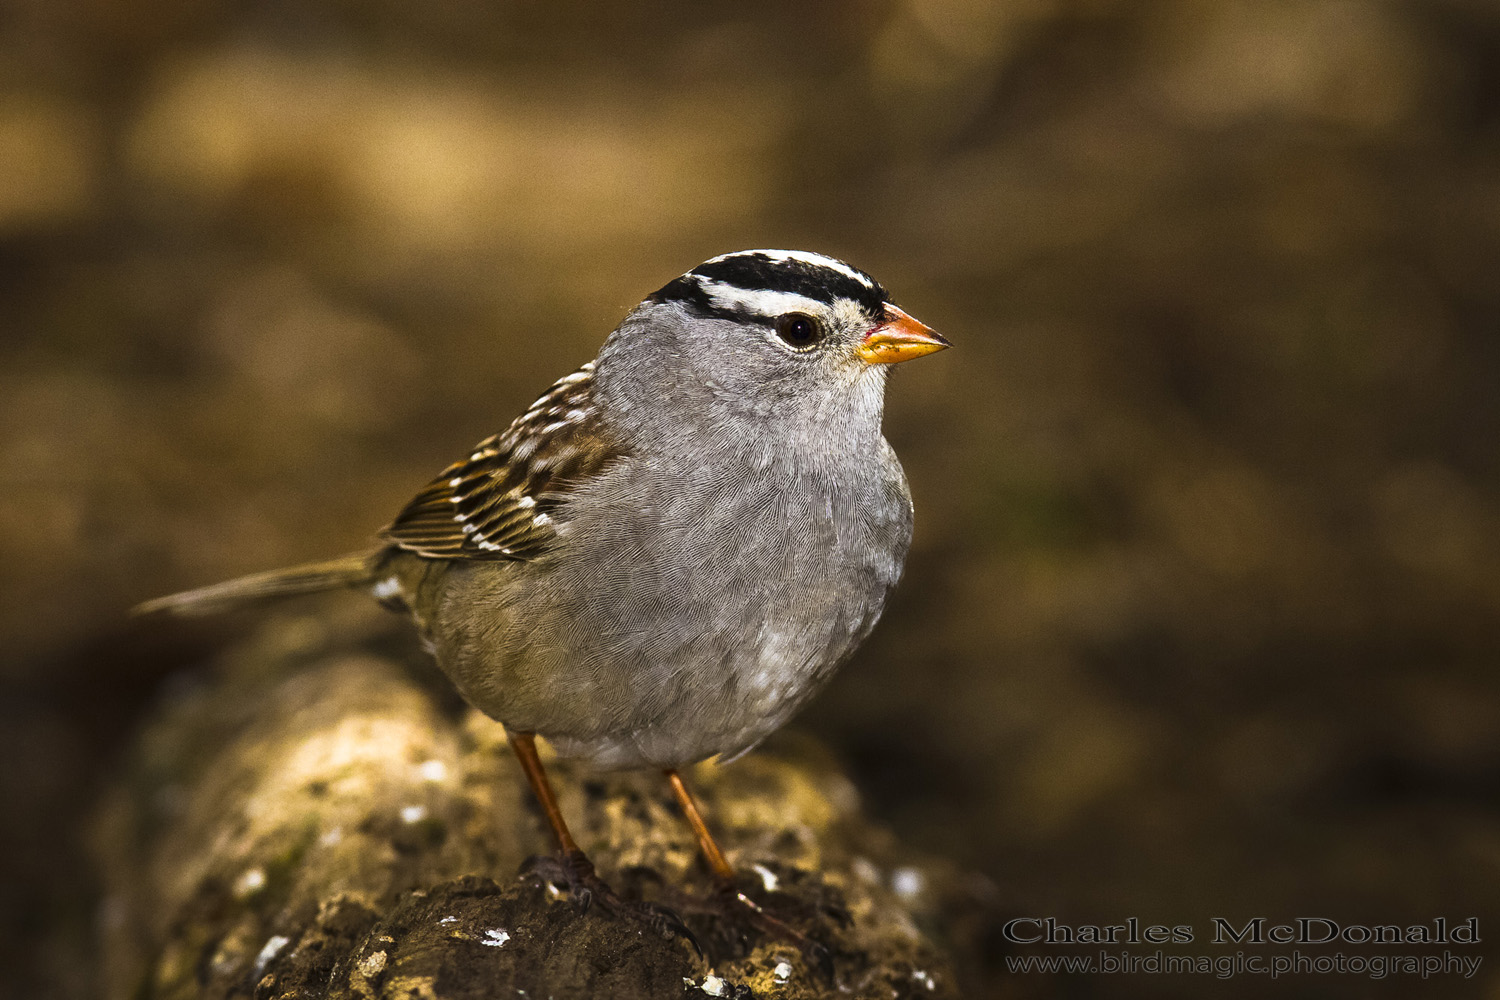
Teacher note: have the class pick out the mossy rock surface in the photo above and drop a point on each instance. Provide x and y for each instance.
(308, 818)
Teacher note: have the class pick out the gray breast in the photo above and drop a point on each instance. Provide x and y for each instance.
(690, 612)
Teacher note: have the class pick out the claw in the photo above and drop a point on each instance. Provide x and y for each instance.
(814, 953)
(574, 872)
(667, 923)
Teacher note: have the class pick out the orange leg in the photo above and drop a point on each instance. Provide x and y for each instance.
(715, 857)
(736, 901)
(524, 744)
(573, 867)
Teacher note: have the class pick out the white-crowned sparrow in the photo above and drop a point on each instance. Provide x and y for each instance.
(676, 545)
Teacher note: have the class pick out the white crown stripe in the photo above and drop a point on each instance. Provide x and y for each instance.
(759, 301)
(803, 257)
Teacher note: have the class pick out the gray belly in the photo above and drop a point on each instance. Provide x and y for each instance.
(670, 625)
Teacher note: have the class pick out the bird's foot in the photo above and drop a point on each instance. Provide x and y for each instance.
(748, 909)
(573, 873)
(739, 906)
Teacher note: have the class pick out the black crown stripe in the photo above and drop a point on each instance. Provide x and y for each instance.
(758, 272)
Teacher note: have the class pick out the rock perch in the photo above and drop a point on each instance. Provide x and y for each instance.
(314, 816)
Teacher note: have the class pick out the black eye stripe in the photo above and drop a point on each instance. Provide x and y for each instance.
(689, 292)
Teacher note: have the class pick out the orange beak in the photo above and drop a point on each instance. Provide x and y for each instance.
(899, 338)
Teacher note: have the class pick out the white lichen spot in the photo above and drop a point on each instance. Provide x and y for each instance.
(782, 972)
(495, 938)
(272, 948)
(714, 986)
(432, 770)
(908, 882)
(767, 877)
(372, 964)
(413, 814)
(250, 882)
(924, 979)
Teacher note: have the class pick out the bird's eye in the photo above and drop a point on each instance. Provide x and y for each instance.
(799, 330)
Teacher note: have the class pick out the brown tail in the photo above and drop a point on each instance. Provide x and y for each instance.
(346, 571)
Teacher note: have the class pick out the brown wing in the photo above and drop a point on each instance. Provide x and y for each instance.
(498, 502)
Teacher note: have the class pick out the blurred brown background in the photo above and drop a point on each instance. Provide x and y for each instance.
(1201, 618)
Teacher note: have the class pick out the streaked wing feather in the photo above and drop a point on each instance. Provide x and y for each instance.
(498, 502)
